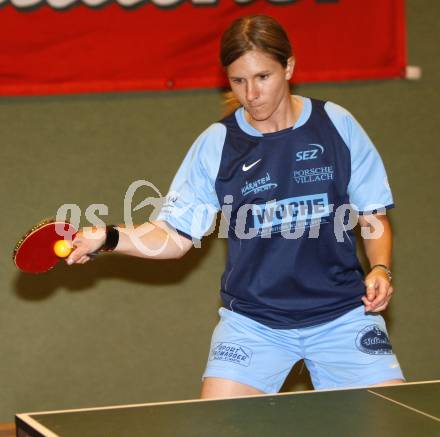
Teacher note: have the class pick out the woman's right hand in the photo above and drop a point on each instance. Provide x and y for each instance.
(87, 242)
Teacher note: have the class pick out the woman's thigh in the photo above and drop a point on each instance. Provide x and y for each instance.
(225, 388)
(351, 351)
(247, 357)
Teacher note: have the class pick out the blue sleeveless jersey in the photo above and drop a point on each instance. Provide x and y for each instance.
(287, 199)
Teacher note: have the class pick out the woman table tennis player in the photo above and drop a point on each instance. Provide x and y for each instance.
(280, 168)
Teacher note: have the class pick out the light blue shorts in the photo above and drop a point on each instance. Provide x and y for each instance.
(352, 350)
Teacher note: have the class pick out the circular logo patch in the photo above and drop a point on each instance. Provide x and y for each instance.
(373, 340)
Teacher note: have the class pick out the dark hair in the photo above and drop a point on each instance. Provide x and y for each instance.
(255, 32)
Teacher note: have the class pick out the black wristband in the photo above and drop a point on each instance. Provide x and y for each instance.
(111, 239)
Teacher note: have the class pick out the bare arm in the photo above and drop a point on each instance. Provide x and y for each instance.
(378, 249)
(152, 240)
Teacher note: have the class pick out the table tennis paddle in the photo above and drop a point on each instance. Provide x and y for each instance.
(36, 251)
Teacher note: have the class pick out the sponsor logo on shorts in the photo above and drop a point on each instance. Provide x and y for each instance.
(231, 352)
(373, 340)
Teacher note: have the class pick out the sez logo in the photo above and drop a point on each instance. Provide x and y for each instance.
(312, 152)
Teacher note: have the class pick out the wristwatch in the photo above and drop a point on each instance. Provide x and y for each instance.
(385, 269)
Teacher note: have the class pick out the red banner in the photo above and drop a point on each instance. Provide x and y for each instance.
(70, 46)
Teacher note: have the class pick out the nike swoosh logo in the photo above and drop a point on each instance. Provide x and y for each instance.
(247, 167)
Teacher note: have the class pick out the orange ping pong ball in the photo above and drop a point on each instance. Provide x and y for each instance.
(62, 248)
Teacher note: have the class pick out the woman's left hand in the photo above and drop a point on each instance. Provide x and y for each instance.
(379, 291)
